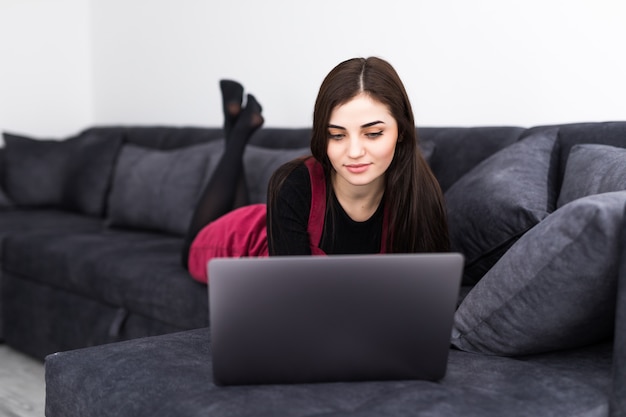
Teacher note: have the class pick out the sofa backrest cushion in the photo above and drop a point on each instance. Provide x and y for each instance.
(158, 189)
(170, 137)
(501, 199)
(593, 169)
(451, 152)
(554, 289)
(459, 149)
(161, 137)
(281, 138)
(260, 163)
(605, 133)
(72, 174)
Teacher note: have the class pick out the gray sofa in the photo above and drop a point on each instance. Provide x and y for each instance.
(538, 214)
(91, 231)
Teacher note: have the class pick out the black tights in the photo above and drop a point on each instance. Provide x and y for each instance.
(226, 190)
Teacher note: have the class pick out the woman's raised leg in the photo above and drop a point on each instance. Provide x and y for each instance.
(226, 189)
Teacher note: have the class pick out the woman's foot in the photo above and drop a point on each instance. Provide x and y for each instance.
(248, 121)
(252, 113)
(232, 95)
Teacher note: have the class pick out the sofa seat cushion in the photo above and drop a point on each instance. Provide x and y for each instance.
(33, 219)
(24, 220)
(139, 272)
(20, 220)
(172, 375)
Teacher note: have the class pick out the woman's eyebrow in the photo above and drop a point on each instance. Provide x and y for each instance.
(370, 124)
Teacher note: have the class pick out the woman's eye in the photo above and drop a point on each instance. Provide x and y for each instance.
(373, 135)
(336, 136)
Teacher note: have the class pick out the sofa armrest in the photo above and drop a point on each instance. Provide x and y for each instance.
(618, 396)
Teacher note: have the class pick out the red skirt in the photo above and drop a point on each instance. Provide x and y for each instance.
(240, 233)
(243, 232)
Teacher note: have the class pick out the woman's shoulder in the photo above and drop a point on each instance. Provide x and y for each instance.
(296, 175)
(290, 180)
(292, 171)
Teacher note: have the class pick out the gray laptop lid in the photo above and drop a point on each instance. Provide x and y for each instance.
(332, 318)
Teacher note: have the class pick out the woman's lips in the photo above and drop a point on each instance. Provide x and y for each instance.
(357, 168)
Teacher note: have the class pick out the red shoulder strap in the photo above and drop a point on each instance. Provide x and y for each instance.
(318, 208)
(318, 204)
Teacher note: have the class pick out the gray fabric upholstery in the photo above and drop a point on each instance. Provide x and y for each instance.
(618, 390)
(22, 220)
(35, 170)
(5, 201)
(458, 150)
(45, 319)
(73, 174)
(427, 148)
(607, 133)
(158, 189)
(554, 289)
(89, 173)
(160, 137)
(260, 163)
(171, 375)
(140, 272)
(499, 200)
(27, 220)
(593, 169)
(281, 138)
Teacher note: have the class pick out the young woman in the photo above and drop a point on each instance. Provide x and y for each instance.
(365, 189)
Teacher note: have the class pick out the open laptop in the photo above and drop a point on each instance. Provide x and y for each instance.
(305, 319)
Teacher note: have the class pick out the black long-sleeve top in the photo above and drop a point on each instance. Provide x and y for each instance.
(341, 234)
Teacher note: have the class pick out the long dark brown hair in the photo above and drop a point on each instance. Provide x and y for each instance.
(413, 198)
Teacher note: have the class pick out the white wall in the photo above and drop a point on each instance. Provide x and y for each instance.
(45, 67)
(523, 62)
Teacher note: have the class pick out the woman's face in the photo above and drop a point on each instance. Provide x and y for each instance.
(362, 140)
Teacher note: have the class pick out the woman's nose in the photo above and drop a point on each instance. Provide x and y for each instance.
(356, 148)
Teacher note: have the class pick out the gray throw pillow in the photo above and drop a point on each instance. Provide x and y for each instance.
(504, 196)
(593, 169)
(73, 174)
(554, 289)
(158, 189)
(260, 163)
(35, 170)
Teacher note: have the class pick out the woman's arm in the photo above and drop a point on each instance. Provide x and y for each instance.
(288, 212)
